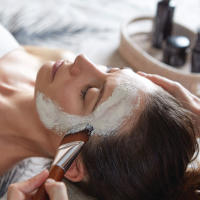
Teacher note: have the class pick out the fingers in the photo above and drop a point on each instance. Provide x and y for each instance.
(185, 97)
(14, 193)
(165, 83)
(56, 190)
(22, 189)
(33, 183)
(159, 80)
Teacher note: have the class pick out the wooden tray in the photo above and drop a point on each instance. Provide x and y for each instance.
(135, 47)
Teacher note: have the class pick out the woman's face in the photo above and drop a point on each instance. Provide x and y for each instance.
(81, 86)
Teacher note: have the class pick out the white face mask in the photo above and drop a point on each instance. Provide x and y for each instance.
(107, 117)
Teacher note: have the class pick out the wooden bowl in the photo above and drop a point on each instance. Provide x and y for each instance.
(136, 48)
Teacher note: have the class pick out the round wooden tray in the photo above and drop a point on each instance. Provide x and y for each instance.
(135, 47)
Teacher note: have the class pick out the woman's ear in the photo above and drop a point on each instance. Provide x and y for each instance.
(76, 172)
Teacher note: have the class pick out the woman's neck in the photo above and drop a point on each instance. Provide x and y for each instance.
(22, 134)
(31, 128)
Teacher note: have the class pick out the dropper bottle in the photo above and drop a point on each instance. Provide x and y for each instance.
(196, 55)
(163, 22)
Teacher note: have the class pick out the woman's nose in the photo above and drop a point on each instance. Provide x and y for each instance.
(84, 66)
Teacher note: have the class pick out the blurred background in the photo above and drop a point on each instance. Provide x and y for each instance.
(83, 26)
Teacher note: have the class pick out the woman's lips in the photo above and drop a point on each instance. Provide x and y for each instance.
(56, 65)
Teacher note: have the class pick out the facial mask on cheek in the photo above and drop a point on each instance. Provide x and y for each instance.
(105, 119)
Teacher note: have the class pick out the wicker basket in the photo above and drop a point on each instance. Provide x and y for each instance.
(135, 47)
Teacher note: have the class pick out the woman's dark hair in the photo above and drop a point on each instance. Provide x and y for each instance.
(150, 161)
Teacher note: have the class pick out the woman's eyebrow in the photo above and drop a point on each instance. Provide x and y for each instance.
(101, 94)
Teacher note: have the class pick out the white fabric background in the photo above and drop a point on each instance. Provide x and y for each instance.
(83, 26)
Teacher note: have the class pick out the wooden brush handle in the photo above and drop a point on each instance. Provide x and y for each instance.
(55, 173)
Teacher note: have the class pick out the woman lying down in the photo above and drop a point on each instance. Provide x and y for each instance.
(144, 127)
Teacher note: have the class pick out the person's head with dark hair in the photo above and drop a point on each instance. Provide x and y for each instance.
(147, 162)
(143, 139)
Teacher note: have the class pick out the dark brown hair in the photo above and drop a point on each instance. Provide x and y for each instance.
(150, 161)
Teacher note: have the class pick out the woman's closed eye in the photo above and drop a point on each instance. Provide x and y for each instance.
(84, 91)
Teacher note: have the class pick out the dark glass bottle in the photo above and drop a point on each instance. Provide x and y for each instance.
(163, 22)
(196, 55)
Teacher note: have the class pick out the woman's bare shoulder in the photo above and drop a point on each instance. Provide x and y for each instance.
(46, 53)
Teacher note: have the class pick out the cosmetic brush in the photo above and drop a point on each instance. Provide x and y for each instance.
(68, 150)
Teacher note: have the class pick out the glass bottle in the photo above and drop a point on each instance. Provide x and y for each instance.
(163, 22)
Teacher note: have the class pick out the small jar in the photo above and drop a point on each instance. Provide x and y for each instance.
(175, 50)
